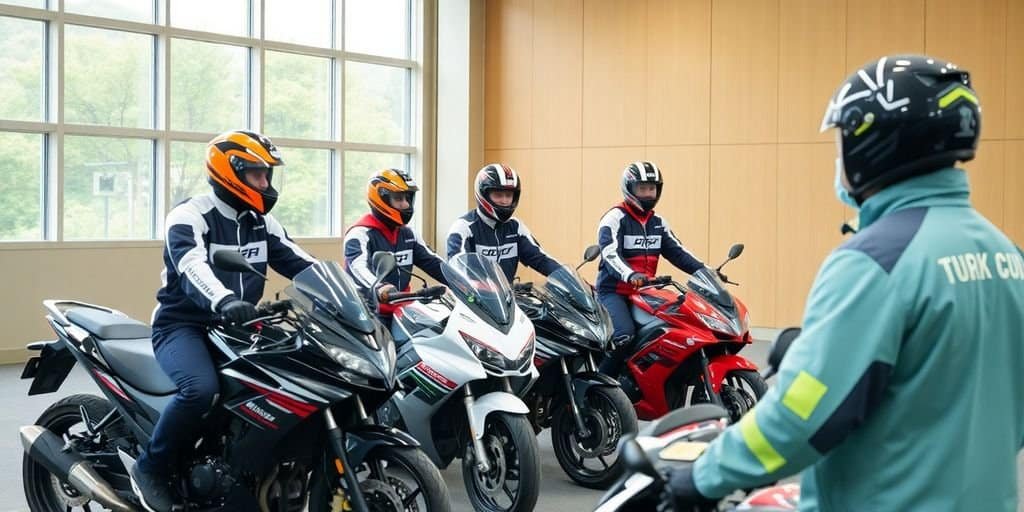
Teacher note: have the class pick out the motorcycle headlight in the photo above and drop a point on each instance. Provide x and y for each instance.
(575, 328)
(490, 357)
(484, 352)
(353, 362)
(715, 324)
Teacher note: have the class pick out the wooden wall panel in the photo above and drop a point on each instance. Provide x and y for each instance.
(726, 96)
(509, 54)
(602, 171)
(1013, 192)
(678, 71)
(882, 27)
(809, 216)
(614, 73)
(973, 36)
(1014, 69)
(744, 71)
(812, 63)
(550, 202)
(744, 183)
(557, 73)
(986, 176)
(685, 197)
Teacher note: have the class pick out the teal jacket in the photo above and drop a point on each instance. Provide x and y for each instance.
(905, 390)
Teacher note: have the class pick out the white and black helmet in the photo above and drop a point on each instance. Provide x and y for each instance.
(641, 172)
(497, 177)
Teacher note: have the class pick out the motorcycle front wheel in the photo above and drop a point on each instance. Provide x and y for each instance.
(392, 479)
(512, 483)
(591, 460)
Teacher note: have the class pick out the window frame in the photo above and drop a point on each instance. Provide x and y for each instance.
(419, 151)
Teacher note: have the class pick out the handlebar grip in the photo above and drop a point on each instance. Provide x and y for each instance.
(271, 307)
(434, 291)
(394, 297)
(661, 280)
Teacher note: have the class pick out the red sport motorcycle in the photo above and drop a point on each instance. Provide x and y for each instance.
(688, 339)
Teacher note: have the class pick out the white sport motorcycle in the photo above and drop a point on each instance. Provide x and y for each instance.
(463, 358)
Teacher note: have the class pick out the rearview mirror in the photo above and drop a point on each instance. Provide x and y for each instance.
(779, 348)
(233, 261)
(383, 264)
(634, 457)
(591, 253)
(735, 251)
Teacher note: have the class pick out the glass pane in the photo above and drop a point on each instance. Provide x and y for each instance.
(378, 27)
(188, 171)
(131, 10)
(376, 103)
(38, 4)
(298, 96)
(108, 77)
(108, 188)
(21, 218)
(21, 59)
(305, 22)
(359, 165)
(221, 16)
(304, 185)
(207, 86)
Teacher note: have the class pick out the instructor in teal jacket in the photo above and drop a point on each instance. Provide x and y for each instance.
(905, 390)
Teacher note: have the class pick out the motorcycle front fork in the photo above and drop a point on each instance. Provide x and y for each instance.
(570, 396)
(348, 473)
(708, 387)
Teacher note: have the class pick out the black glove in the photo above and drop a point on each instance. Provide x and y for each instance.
(638, 279)
(237, 311)
(682, 492)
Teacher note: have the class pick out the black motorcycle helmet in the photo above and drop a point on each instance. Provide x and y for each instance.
(497, 177)
(902, 116)
(641, 172)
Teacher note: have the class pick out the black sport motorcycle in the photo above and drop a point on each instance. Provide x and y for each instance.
(587, 411)
(290, 430)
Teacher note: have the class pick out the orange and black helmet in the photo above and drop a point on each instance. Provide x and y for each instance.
(229, 156)
(382, 185)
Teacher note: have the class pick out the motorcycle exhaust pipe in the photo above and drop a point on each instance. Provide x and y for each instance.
(47, 449)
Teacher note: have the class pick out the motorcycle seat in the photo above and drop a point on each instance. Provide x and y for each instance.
(130, 357)
(685, 416)
(106, 325)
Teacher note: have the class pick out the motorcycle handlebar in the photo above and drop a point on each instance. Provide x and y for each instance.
(522, 287)
(659, 281)
(430, 292)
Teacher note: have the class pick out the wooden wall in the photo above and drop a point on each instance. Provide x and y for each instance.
(726, 96)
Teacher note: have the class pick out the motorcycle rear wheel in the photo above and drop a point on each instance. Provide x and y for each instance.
(44, 492)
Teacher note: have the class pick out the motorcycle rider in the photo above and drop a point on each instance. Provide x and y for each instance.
(235, 216)
(390, 194)
(904, 390)
(632, 239)
(490, 229)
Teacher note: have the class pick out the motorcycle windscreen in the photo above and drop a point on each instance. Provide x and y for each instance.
(324, 292)
(480, 284)
(566, 285)
(707, 285)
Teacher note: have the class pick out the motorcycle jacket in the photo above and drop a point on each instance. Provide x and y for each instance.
(198, 227)
(904, 390)
(368, 236)
(507, 243)
(633, 242)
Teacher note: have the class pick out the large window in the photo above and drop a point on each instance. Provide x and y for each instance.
(108, 105)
